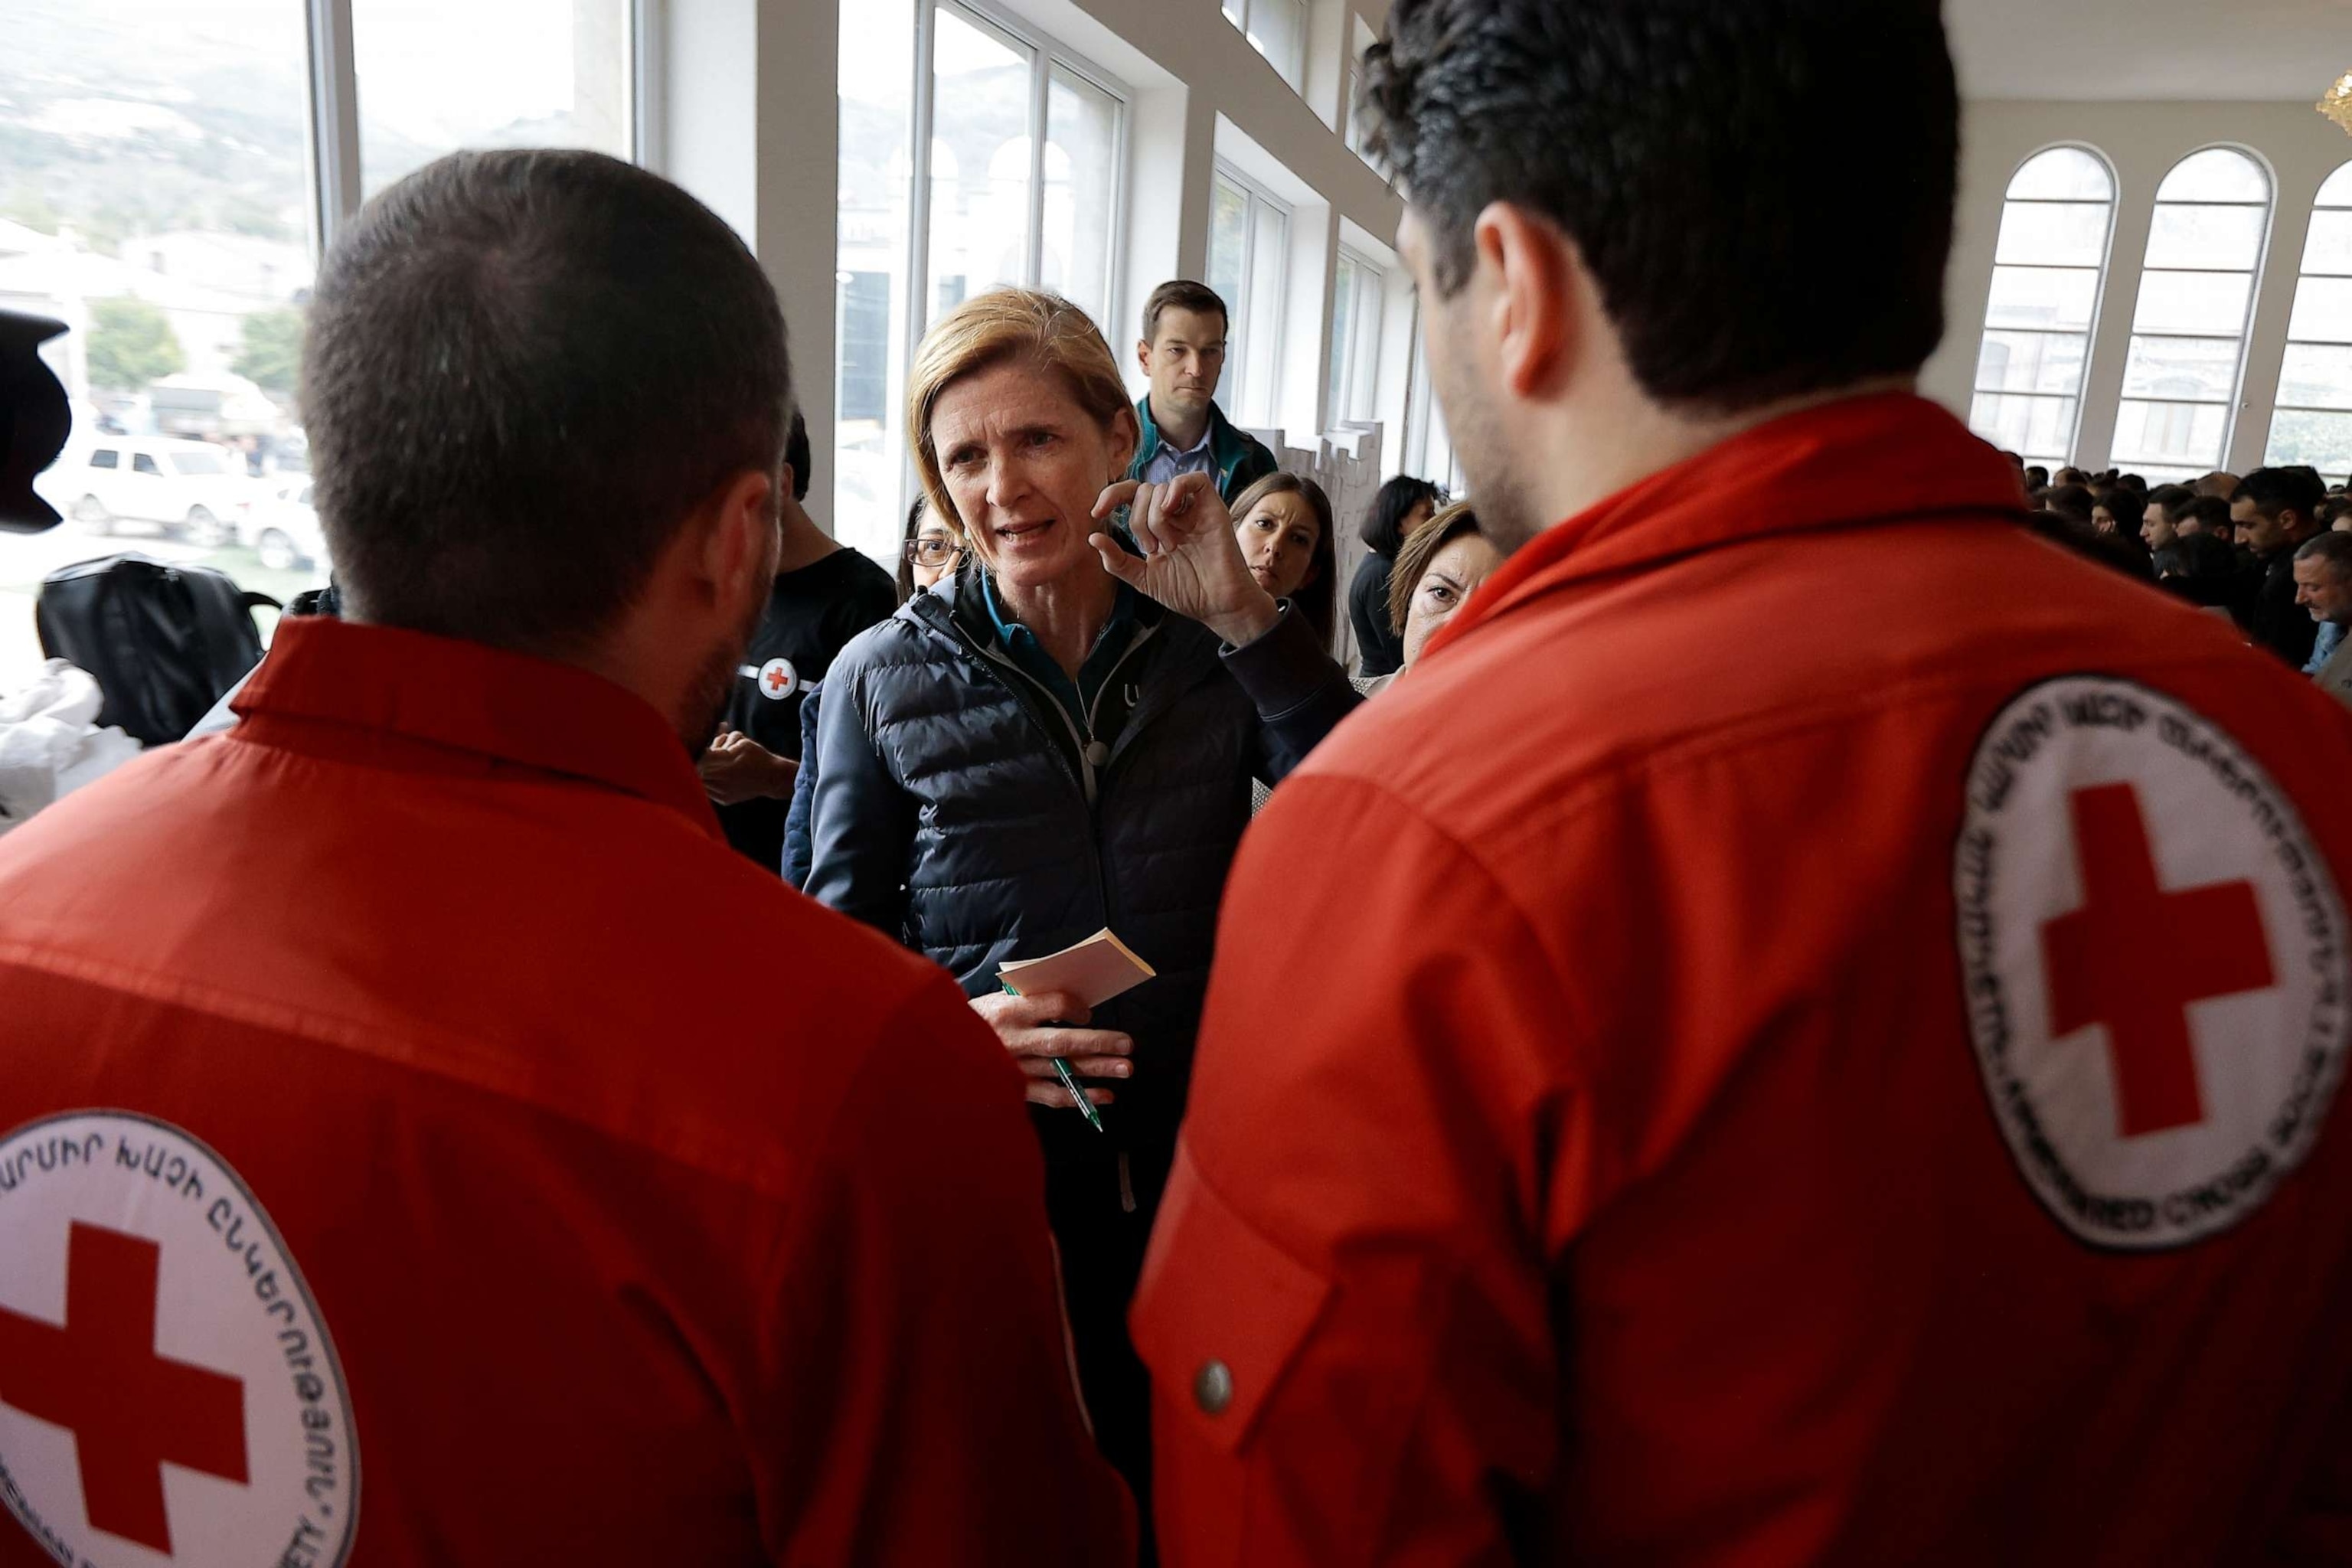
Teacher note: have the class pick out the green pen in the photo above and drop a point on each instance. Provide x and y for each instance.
(1070, 1080)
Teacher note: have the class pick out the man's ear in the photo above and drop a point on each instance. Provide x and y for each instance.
(1535, 285)
(1143, 354)
(742, 538)
(1126, 437)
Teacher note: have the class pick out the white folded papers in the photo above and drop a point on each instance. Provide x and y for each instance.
(1093, 971)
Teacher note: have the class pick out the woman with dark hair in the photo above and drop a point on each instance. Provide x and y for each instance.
(1283, 523)
(932, 549)
(1402, 504)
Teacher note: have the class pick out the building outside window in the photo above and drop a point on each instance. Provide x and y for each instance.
(1018, 154)
(2196, 303)
(2050, 271)
(2313, 422)
(1249, 252)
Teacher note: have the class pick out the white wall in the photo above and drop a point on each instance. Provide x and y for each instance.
(2143, 141)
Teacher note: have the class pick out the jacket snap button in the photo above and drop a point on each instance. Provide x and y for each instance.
(1212, 1387)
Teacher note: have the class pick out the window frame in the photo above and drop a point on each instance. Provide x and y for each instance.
(1354, 382)
(1239, 318)
(2252, 272)
(1242, 12)
(1045, 56)
(333, 128)
(2090, 330)
(2320, 204)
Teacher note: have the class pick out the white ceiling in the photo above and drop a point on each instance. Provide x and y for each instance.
(2129, 50)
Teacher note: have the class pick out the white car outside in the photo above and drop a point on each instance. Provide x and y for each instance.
(284, 531)
(178, 486)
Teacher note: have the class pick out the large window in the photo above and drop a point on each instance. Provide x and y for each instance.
(169, 169)
(1428, 449)
(1356, 299)
(438, 75)
(1277, 29)
(1249, 250)
(2049, 265)
(2312, 423)
(2196, 301)
(1016, 149)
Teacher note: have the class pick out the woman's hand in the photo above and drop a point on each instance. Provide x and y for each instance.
(1191, 561)
(737, 768)
(1036, 1029)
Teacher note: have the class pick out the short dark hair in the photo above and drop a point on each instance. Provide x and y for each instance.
(524, 370)
(2108, 550)
(2126, 505)
(2033, 469)
(2209, 512)
(1703, 158)
(796, 454)
(1183, 294)
(2274, 490)
(2133, 482)
(2334, 549)
(2169, 500)
(2071, 501)
(1383, 530)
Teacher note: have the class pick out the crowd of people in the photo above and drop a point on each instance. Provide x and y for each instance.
(1638, 1067)
(2270, 550)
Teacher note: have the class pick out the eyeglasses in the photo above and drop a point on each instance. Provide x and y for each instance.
(932, 551)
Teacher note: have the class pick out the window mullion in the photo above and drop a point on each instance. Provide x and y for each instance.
(335, 119)
(1041, 72)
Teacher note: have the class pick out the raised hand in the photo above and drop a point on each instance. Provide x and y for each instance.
(1191, 561)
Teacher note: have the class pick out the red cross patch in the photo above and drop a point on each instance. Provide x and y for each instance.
(2154, 954)
(778, 679)
(166, 1384)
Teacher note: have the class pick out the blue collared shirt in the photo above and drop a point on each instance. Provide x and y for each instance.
(1167, 463)
(2331, 636)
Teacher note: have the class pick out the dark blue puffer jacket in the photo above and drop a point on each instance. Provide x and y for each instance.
(951, 813)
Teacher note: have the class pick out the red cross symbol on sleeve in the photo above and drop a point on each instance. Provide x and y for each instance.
(132, 1412)
(778, 679)
(2134, 957)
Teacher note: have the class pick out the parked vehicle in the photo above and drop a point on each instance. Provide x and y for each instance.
(284, 531)
(182, 487)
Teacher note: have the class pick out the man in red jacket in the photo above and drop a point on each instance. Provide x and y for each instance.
(1807, 1028)
(405, 1155)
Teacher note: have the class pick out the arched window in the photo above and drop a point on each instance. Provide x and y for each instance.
(2314, 419)
(2196, 298)
(2050, 266)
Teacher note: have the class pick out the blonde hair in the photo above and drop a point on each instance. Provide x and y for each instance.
(1419, 548)
(987, 331)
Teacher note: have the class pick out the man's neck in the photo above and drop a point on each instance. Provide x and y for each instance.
(803, 542)
(1176, 431)
(1067, 617)
(1605, 446)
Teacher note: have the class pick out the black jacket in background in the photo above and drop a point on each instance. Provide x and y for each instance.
(1368, 611)
(2271, 616)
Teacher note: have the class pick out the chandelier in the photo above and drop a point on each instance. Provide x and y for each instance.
(2337, 102)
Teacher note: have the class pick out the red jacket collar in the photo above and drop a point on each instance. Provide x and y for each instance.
(468, 696)
(1884, 456)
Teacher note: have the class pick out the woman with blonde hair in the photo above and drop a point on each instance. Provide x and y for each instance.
(1059, 739)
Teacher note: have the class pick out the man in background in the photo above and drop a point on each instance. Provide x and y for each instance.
(2275, 510)
(2322, 585)
(2208, 515)
(1774, 1118)
(462, 1172)
(1182, 351)
(823, 595)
